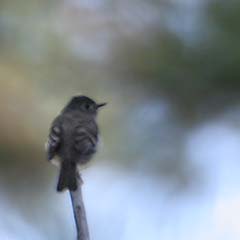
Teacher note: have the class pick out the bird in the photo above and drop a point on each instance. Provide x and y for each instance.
(73, 139)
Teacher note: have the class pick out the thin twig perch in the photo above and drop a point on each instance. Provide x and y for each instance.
(79, 211)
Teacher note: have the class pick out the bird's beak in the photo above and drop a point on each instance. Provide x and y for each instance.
(101, 105)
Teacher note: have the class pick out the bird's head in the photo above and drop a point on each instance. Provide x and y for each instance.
(83, 104)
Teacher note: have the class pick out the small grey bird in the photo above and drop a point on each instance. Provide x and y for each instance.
(73, 139)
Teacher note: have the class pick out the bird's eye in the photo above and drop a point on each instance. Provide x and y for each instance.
(87, 106)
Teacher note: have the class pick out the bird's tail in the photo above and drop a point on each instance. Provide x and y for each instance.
(68, 176)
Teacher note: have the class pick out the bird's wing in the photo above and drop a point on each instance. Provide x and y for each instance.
(54, 139)
(86, 138)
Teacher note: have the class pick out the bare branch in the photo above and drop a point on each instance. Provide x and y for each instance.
(79, 211)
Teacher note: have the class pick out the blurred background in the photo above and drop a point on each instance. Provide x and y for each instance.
(168, 164)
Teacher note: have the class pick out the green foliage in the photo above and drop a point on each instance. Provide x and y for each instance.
(191, 74)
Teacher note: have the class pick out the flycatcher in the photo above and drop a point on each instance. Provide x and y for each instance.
(73, 139)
